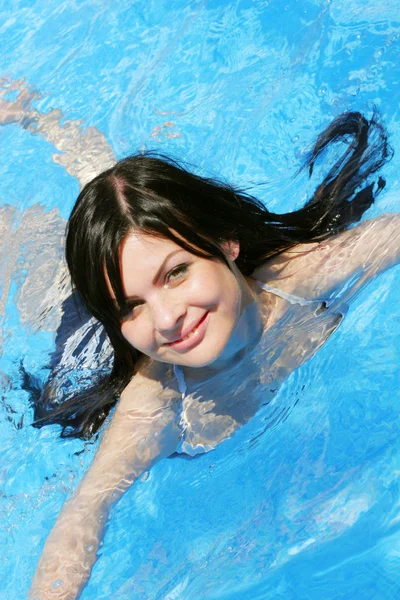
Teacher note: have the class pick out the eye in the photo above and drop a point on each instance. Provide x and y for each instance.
(176, 273)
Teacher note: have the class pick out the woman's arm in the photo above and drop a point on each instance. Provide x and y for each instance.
(314, 270)
(142, 431)
(83, 153)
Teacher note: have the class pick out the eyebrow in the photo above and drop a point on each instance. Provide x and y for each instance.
(159, 271)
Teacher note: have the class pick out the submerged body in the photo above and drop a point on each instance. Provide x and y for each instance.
(278, 319)
(300, 299)
(167, 409)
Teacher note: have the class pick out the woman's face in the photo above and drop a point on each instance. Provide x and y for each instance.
(183, 309)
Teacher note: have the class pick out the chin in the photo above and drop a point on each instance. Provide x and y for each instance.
(203, 359)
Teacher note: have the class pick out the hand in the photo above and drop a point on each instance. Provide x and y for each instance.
(19, 109)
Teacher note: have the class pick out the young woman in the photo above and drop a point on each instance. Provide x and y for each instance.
(209, 302)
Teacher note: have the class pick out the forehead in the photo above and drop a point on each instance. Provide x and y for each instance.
(145, 248)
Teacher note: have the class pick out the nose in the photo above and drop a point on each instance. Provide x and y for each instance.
(168, 315)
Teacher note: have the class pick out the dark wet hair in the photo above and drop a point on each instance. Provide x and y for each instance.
(158, 196)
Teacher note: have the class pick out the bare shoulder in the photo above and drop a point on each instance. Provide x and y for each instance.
(311, 270)
(152, 387)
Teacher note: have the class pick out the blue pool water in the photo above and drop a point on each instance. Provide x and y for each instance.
(308, 507)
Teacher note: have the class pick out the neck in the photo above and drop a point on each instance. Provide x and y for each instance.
(245, 336)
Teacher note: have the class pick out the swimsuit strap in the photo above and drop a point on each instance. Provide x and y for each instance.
(182, 420)
(285, 295)
(182, 387)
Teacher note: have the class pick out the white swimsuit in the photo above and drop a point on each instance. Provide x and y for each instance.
(196, 419)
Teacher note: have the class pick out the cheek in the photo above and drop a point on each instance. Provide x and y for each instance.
(229, 288)
(136, 334)
(234, 300)
(218, 281)
(128, 332)
(222, 289)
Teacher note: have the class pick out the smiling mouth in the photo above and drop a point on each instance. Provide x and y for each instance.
(191, 333)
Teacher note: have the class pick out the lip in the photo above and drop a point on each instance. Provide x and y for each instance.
(186, 343)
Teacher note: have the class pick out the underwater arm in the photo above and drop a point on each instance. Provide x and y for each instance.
(84, 153)
(314, 270)
(142, 431)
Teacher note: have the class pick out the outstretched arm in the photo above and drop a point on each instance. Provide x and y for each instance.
(142, 431)
(314, 270)
(83, 153)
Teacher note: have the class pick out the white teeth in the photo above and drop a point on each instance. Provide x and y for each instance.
(190, 334)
